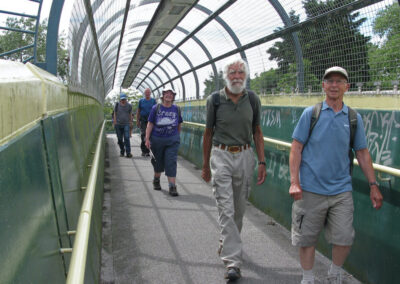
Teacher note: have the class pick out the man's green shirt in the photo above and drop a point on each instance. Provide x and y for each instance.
(233, 121)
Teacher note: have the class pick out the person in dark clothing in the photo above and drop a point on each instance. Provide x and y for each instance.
(142, 115)
(122, 121)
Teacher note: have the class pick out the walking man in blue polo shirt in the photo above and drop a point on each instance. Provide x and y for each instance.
(142, 115)
(320, 177)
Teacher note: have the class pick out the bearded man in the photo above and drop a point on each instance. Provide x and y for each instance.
(230, 127)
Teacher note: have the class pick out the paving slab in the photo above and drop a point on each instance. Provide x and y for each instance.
(151, 237)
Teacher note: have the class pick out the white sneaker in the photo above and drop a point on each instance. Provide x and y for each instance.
(334, 279)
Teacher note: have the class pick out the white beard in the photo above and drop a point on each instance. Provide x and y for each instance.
(237, 89)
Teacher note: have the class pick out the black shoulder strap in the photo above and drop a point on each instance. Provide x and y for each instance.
(157, 108)
(353, 125)
(116, 107)
(316, 111)
(215, 101)
(353, 128)
(252, 98)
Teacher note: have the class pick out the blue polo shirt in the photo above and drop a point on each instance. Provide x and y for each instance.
(325, 165)
(145, 106)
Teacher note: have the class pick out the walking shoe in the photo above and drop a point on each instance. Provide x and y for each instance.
(121, 154)
(219, 248)
(334, 279)
(307, 282)
(143, 154)
(129, 155)
(232, 273)
(156, 184)
(147, 155)
(172, 191)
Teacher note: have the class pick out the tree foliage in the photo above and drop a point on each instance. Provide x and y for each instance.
(384, 59)
(11, 40)
(213, 83)
(336, 41)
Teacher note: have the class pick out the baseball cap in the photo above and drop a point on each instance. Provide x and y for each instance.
(336, 69)
(166, 89)
(122, 96)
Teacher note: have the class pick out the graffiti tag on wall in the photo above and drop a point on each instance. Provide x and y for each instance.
(271, 117)
(381, 129)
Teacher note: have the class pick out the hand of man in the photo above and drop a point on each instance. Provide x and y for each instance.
(147, 143)
(262, 174)
(376, 197)
(295, 191)
(206, 174)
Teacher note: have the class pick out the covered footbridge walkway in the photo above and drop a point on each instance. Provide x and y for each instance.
(73, 211)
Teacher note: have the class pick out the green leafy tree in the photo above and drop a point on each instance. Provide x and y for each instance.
(384, 59)
(265, 82)
(211, 83)
(11, 40)
(336, 41)
(283, 51)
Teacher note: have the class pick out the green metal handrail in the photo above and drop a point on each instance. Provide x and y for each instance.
(76, 271)
(287, 146)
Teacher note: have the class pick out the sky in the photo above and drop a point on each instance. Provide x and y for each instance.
(29, 7)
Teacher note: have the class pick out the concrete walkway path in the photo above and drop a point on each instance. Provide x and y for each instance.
(150, 237)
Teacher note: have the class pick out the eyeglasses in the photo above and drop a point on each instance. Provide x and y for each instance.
(338, 82)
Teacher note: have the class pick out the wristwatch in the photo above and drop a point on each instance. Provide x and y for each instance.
(374, 183)
(262, 163)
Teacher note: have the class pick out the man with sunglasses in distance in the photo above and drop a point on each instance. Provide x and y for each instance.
(320, 178)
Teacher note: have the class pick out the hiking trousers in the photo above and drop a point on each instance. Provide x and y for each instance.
(231, 181)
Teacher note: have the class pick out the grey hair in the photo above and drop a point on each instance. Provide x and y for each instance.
(235, 61)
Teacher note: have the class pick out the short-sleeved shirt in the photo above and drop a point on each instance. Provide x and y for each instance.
(233, 122)
(145, 107)
(325, 163)
(166, 121)
(123, 113)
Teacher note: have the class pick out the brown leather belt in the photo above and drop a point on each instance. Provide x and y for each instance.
(233, 149)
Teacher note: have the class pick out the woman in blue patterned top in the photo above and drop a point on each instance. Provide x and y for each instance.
(162, 138)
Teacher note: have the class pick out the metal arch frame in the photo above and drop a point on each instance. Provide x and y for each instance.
(155, 74)
(297, 46)
(50, 65)
(192, 34)
(165, 72)
(177, 72)
(35, 33)
(190, 64)
(141, 72)
(89, 13)
(232, 35)
(309, 22)
(162, 56)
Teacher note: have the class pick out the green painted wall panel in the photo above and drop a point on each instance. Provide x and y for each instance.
(56, 184)
(71, 179)
(374, 256)
(28, 236)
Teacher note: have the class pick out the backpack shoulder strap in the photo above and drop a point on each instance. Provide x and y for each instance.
(353, 128)
(316, 111)
(252, 98)
(353, 125)
(116, 107)
(158, 108)
(215, 97)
